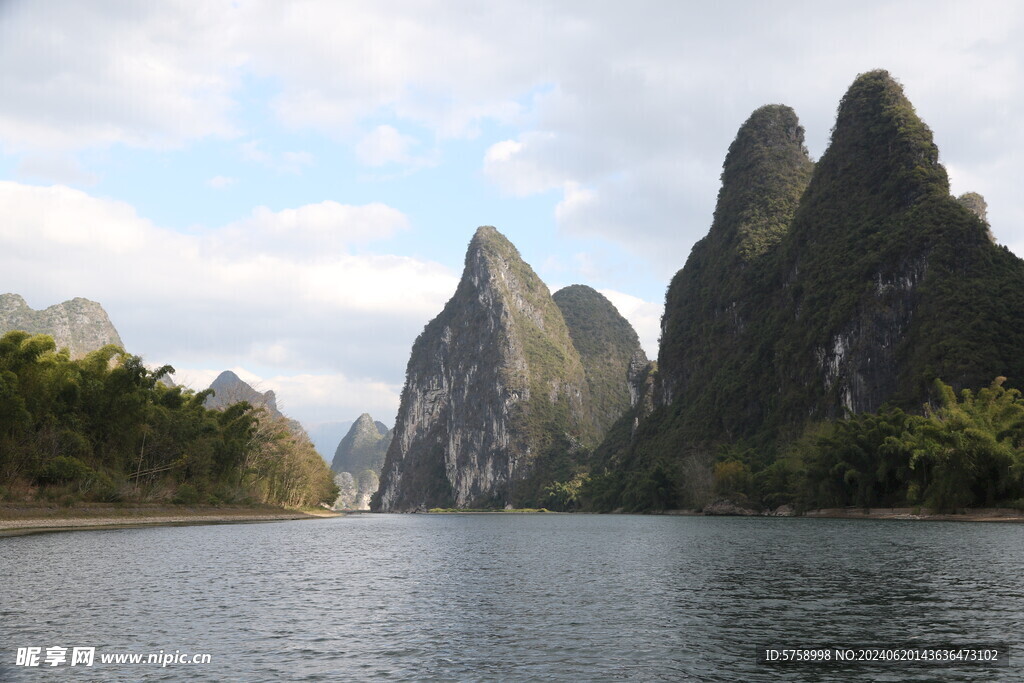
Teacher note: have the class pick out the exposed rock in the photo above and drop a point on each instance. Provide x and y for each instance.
(359, 457)
(79, 325)
(363, 447)
(494, 386)
(729, 508)
(976, 204)
(354, 493)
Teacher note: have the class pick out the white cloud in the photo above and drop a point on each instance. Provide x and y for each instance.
(83, 75)
(517, 167)
(637, 106)
(285, 162)
(278, 290)
(312, 232)
(54, 168)
(312, 398)
(575, 199)
(219, 182)
(385, 145)
(295, 162)
(252, 150)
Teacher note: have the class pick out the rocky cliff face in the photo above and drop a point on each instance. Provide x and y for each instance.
(363, 447)
(358, 461)
(79, 325)
(494, 386)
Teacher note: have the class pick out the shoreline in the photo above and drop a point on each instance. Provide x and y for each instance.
(19, 519)
(902, 514)
(966, 515)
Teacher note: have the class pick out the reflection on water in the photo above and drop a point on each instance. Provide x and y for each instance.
(554, 597)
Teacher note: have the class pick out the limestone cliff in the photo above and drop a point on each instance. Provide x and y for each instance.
(79, 325)
(363, 447)
(494, 388)
(358, 461)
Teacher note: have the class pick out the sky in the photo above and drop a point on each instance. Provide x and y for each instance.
(287, 190)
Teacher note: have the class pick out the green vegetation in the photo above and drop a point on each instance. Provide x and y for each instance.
(105, 428)
(823, 291)
(607, 344)
(966, 452)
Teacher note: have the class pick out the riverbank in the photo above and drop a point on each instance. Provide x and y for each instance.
(966, 515)
(23, 518)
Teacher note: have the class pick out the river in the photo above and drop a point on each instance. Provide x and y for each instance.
(511, 597)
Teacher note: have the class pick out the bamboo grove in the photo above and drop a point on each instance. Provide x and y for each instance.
(106, 428)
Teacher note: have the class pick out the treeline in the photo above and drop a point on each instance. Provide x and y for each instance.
(963, 451)
(106, 428)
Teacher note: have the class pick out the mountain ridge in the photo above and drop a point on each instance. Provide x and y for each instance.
(79, 325)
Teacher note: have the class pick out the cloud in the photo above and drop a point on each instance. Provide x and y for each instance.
(283, 291)
(518, 168)
(219, 182)
(634, 108)
(311, 232)
(148, 75)
(54, 168)
(285, 162)
(316, 398)
(385, 145)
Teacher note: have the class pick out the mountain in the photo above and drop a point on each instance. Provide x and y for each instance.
(363, 447)
(79, 325)
(229, 389)
(495, 392)
(821, 290)
(609, 350)
(358, 461)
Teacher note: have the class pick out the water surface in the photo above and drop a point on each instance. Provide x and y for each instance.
(512, 597)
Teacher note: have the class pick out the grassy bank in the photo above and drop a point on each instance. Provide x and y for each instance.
(22, 517)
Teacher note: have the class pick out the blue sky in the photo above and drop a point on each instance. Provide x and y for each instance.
(287, 189)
